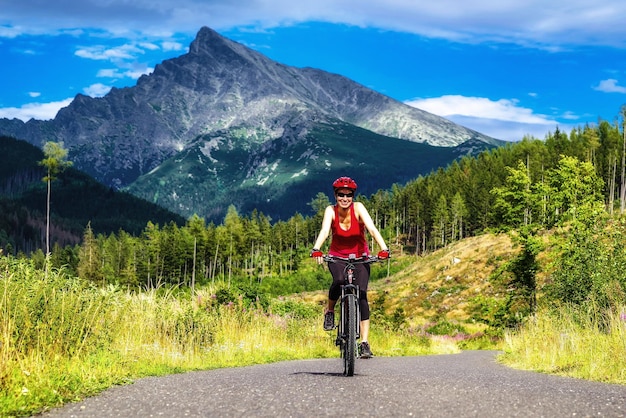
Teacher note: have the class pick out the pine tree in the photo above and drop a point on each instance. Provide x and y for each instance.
(90, 257)
(440, 222)
(458, 211)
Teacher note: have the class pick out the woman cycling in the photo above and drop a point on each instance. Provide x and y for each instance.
(347, 220)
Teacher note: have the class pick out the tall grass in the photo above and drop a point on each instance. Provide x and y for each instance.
(64, 338)
(571, 342)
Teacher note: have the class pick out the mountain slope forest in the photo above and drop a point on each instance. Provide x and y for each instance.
(266, 177)
(77, 200)
(533, 185)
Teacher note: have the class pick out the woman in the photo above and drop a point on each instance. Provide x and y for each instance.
(347, 220)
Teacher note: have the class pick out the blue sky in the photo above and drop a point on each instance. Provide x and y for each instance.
(504, 68)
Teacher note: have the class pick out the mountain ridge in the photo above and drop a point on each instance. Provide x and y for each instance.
(267, 177)
(223, 89)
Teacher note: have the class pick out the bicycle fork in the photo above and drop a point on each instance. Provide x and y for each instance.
(354, 288)
(349, 294)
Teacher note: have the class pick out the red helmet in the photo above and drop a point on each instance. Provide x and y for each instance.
(344, 183)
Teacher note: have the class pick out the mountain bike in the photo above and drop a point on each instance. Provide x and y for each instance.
(348, 329)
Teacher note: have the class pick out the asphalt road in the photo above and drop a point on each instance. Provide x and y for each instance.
(470, 384)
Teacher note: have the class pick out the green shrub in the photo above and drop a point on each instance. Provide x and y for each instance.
(293, 309)
(446, 328)
(590, 267)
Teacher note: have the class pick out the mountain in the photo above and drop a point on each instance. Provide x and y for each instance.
(77, 200)
(226, 110)
(280, 177)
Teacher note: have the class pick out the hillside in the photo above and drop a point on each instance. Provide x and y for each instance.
(265, 177)
(442, 284)
(77, 200)
(447, 285)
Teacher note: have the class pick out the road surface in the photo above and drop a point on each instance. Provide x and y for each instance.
(469, 384)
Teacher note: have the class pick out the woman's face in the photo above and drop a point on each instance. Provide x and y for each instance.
(344, 197)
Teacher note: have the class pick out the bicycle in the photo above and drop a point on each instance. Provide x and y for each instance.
(348, 329)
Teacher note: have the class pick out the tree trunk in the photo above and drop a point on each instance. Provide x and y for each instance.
(193, 269)
(48, 219)
(612, 182)
(622, 194)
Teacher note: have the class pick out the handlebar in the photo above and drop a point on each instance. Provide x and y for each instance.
(361, 260)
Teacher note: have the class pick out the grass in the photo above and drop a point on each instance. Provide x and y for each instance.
(570, 343)
(440, 285)
(64, 339)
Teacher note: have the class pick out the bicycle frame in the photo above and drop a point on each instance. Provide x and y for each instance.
(349, 327)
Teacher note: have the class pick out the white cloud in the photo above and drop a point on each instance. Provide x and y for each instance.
(101, 52)
(34, 94)
(149, 46)
(503, 109)
(502, 119)
(570, 116)
(10, 31)
(117, 73)
(508, 130)
(41, 111)
(610, 86)
(135, 74)
(109, 73)
(172, 46)
(97, 90)
(532, 22)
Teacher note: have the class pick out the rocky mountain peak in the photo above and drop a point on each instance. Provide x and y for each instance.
(208, 42)
(205, 38)
(222, 95)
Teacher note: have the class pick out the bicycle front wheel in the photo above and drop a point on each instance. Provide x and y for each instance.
(350, 327)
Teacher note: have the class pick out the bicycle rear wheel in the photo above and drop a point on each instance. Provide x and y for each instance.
(350, 326)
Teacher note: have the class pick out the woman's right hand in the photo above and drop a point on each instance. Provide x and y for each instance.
(318, 255)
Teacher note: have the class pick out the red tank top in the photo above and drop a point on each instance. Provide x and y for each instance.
(351, 242)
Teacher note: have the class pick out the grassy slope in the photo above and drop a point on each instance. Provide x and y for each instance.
(440, 287)
(440, 284)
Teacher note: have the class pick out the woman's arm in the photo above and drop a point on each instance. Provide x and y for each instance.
(327, 222)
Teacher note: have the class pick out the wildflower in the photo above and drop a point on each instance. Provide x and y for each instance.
(622, 316)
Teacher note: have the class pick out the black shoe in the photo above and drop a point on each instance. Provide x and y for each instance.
(364, 350)
(329, 321)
